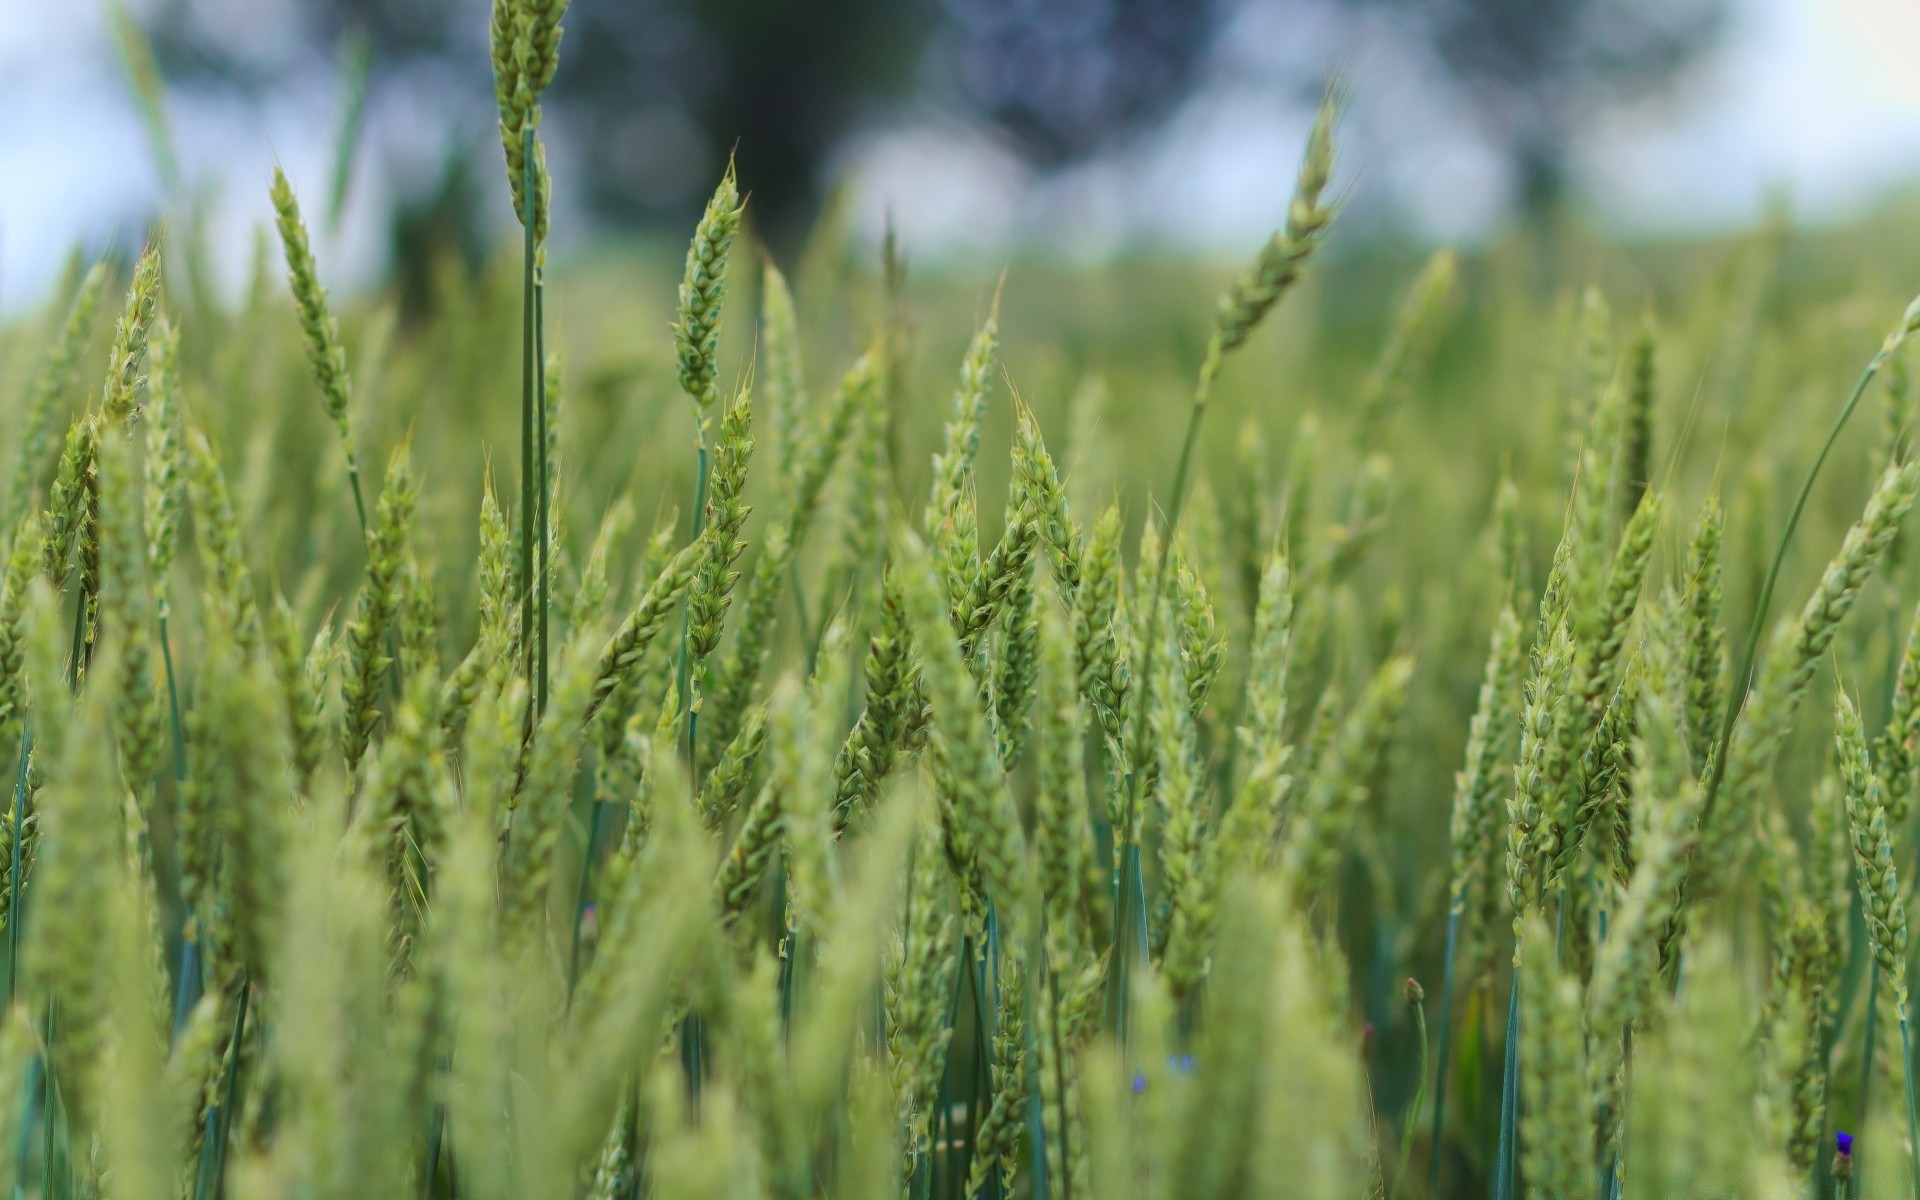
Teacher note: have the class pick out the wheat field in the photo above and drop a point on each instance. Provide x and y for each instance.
(1390, 730)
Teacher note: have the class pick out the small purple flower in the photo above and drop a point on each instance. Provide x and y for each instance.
(1139, 1082)
(1843, 1142)
(1182, 1064)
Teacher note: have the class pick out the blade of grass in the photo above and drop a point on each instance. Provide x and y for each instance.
(23, 1140)
(13, 867)
(683, 671)
(1445, 1049)
(207, 1179)
(173, 705)
(1866, 1054)
(1913, 1117)
(230, 1096)
(49, 1099)
(1743, 676)
(1509, 1099)
(1410, 1125)
(595, 832)
(356, 59)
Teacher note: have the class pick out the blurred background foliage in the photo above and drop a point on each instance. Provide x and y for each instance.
(655, 94)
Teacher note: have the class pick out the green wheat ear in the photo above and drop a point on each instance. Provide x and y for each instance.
(129, 348)
(726, 515)
(703, 286)
(1277, 266)
(326, 356)
(51, 385)
(524, 36)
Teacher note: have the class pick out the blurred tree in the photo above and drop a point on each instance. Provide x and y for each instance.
(1533, 69)
(1069, 78)
(653, 94)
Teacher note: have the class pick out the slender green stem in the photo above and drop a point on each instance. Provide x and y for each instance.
(544, 519)
(1129, 934)
(939, 1130)
(230, 1096)
(684, 673)
(173, 706)
(23, 1140)
(1509, 1099)
(1434, 1155)
(436, 1129)
(810, 645)
(353, 481)
(692, 1030)
(1743, 677)
(1913, 1118)
(1866, 1049)
(1127, 856)
(595, 832)
(1036, 1108)
(187, 986)
(213, 1149)
(49, 1099)
(14, 867)
(77, 660)
(530, 450)
(693, 1053)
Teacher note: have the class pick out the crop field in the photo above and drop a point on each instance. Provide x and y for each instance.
(1344, 727)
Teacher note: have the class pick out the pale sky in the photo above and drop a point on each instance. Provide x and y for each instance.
(1814, 100)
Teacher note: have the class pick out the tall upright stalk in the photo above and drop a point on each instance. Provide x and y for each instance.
(1743, 675)
(1410, 1125)
(14, 867)
(173, 705)
(1130, 890)
(544, 519)
(1274, 270)
(532, 448)
(683, 670)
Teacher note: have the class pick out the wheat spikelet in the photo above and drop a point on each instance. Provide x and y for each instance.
(1880, 894)
(703, 288)
(1278, 264)
(1788, 665)
(51, 385)
(129, 347)
(1706, 640)
(712, 590)
(1477, 811)
(965, 762)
